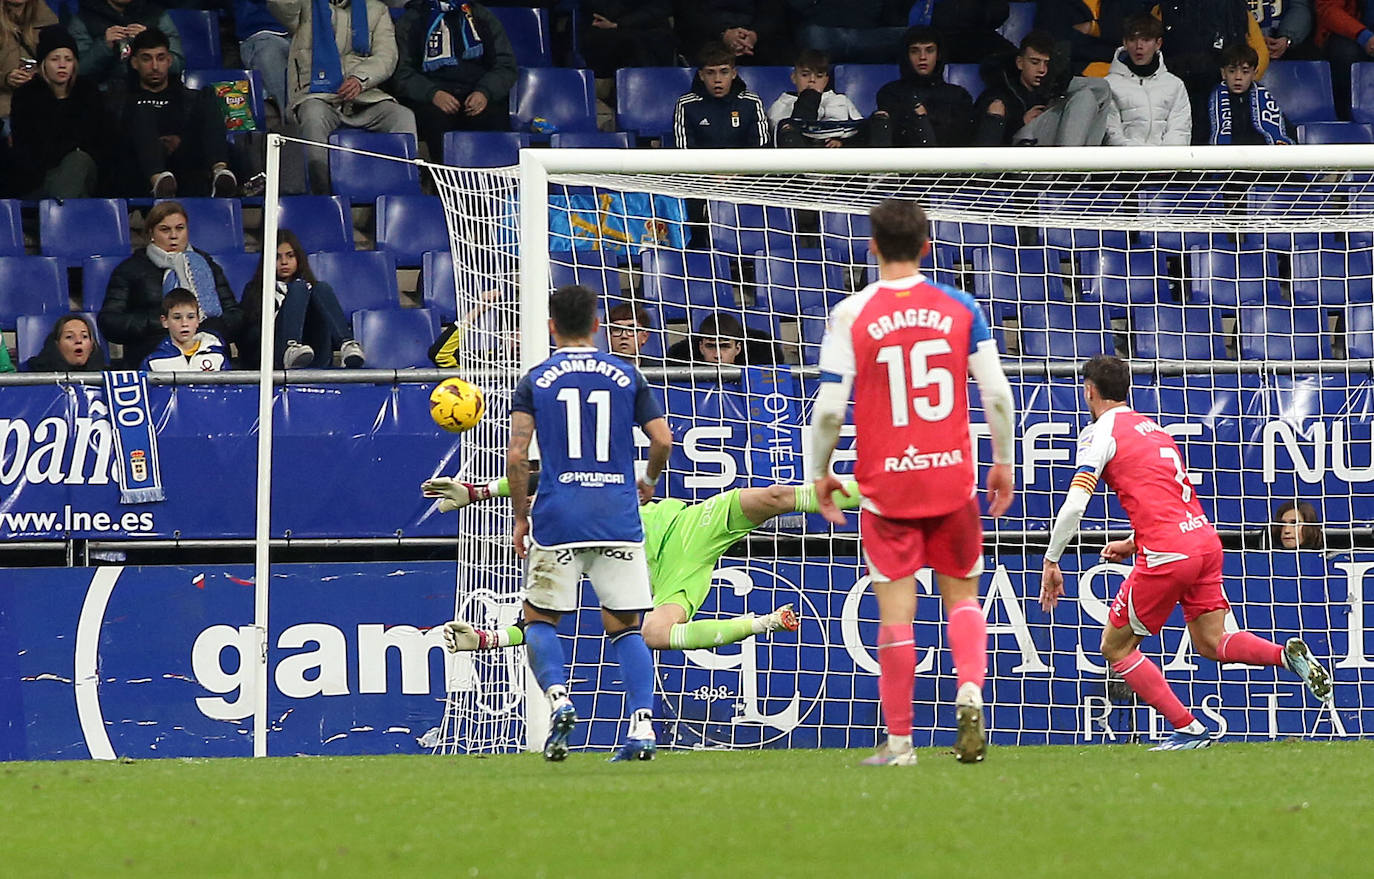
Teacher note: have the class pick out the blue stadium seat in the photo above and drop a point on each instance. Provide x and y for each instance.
(484, 149)
(1332, 276)
(847, 234)
(215, 224)
(645, 97)
(595, 269)
(1336, 132)
(1125, 277)
(31, 285)
(677, 280)
(594, 140)
(1086, 239)
(749, 228)
(812, 327)
(789, 285)
(364, 178)
(1176, 332)
(1229, 278)
(1061, 331)
(361, 278)
(965, 237)
(563, 97)
(1362, 92)
(1020, 21)
(436, 285)
(1359, 331)
(80, 227)
(200, 79)
(95, 278)
(966, 76)
(1302, 89)
(1009, 277)
(767, 82)
(528, 32)
(11, 228)
(410, 225)
(199, 32)
(238, 267)
(861, 83)
(940, 265)
(321, 222)
(1275, 332)
(32, 331)
(395, 338)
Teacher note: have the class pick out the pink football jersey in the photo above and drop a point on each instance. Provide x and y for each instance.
(1141, 462)
(906, 344)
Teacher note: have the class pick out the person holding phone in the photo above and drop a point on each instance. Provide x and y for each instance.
(20, 22)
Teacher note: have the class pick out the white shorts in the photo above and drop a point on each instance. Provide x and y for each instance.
(619, 576)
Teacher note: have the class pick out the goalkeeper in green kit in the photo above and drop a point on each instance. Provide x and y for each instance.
(683, 543)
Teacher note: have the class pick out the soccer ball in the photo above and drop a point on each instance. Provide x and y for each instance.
(456, 405)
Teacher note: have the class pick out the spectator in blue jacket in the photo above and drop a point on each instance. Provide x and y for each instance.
(1287, 26)
(719, 112)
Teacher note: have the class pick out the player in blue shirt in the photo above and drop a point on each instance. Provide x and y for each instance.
(584, 405)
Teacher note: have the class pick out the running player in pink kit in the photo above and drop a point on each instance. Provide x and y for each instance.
(906, 346)
(1178, 554)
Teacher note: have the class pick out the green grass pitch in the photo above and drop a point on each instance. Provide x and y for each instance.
(1286, 809)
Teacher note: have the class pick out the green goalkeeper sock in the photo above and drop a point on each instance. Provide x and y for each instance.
(806, 501)
(710, 633)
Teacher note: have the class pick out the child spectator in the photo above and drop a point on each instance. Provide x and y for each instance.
(103, 30)
(1241, 110)
(1296, 526)
(58, 125)
(1149, 104)
(20, 24)
(174, 136)
(310, 323)
(722, 340)
(1020, 107)
(1286, 25)
(1196, 32)
(924, 109)
(69, 347)
(133, 298)
(719, 112)
(816, 115)
(185, 348)
(454, 69)
(627, 332)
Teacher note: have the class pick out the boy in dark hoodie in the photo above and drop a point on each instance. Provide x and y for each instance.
(719, 112)
(924, 109)
(1019, 107)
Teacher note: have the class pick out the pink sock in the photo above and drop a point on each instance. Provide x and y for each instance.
(967, 631)
(1249, 649)
(896, 676)
(1147, 680)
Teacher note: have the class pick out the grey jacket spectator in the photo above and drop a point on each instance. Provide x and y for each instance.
(103, 29)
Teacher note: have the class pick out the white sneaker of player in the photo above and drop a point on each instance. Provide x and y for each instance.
(888, 755)
(971, 742)
(1300, 661)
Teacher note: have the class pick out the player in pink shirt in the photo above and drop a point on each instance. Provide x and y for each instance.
(1178, 554)
(906, 347)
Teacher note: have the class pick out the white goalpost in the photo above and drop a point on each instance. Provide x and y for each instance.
(1241, 290)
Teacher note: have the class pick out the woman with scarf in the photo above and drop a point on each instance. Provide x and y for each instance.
(69, 347)
(132, 312)
(310, 323)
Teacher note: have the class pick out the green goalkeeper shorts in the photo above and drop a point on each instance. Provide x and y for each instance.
(700, 535)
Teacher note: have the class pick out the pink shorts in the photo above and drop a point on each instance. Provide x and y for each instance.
(1148, 595)
(952, 544)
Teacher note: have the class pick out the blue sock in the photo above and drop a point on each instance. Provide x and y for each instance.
(636, 669)
(545, 654)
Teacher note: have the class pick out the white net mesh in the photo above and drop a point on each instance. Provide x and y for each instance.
(1244, 299)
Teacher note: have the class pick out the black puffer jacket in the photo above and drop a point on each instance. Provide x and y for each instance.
(948, 120)
(49, 359)
(1004, 84)
(132, 312)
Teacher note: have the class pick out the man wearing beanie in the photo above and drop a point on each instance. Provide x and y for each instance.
(925, 110)
(58, 124)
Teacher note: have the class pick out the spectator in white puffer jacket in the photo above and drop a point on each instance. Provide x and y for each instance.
(1149, 105)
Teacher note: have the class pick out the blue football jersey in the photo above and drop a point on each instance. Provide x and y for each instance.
(585, 404)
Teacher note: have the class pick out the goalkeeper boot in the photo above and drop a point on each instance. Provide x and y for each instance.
(890, 755)
(1300, 661)
(561, 723)
(784, 619)
(1185, 741)
(635, 749)
(971, 741)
